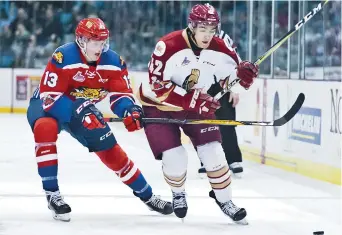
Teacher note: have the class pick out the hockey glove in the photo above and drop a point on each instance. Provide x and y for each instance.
(86, 112)
(247, 72)
(201, 103)
(133, 118)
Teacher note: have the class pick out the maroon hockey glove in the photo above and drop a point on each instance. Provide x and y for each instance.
(247, 72)
(201, 103)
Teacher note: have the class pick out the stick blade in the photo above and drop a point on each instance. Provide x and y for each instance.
(292, 112)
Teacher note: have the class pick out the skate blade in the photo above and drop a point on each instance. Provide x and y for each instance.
(238, 175)
(202, 175)
(61, 217)
(242, 222)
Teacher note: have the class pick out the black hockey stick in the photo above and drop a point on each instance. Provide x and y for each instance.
(278, 122)
(276, 45)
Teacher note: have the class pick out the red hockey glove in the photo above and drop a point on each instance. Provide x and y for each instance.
(91, 121)
(201, 103)
(133, 118)
(86, 113)
(247, 72)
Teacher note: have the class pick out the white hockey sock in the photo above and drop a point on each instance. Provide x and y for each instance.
(175, 163)
(215, 163)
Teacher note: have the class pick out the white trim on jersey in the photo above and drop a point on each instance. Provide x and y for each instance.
(50, 93)
(76, 66)
(124, 96)
(108, 67)
(120, 93)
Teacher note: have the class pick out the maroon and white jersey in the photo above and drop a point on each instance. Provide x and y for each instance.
(175, 69)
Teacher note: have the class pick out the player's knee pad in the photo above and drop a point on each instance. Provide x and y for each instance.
(45, 130)
(213, 158)
(175, 162)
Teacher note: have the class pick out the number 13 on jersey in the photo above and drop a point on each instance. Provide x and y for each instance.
(50, 79)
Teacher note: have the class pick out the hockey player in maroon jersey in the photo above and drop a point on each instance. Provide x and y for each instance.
(183, 67)
(78, 75)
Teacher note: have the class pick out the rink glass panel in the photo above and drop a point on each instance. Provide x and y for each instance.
(30, 31)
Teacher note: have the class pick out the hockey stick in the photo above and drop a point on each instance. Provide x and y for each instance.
(276, 45)
(278, 122)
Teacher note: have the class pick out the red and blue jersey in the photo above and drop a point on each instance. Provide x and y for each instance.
(68, 76)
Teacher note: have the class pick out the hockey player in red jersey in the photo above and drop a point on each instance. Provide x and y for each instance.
(78, 75)
(183, 67)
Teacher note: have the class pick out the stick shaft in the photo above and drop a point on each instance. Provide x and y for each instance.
(275, 46)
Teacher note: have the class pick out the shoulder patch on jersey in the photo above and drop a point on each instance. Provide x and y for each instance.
(122, 63)
(160, 48)
(58, 57)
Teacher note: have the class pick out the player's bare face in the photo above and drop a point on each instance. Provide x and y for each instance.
(94, 49)
(204, 34)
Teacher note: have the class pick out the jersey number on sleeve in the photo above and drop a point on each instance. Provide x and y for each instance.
(155, 70)
(50, 79)
(128, 83)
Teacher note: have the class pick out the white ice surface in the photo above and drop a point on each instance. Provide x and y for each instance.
(277, 202)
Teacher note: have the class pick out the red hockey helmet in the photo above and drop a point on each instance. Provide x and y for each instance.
(92, 28)
(92, 37)
(204, 14)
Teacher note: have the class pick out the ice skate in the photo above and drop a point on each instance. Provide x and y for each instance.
(180, 207)
(237, 169)
(202, 173)
(237, 214)
(154, 203)
(60, 209)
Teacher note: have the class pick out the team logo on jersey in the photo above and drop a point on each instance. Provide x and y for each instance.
(160, 48)
(49, 100)
(156, 84)
(78, 77)
(58, 57)
(90, 74)
(191, 80)
(89, 93)
(122, 63)
(185, 61)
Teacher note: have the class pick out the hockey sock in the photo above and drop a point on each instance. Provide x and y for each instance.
(218, 172)
(45, 134)
(116, 159)
(175, 162)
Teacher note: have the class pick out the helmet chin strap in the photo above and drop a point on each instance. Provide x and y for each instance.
(192, 40)
(84, 50)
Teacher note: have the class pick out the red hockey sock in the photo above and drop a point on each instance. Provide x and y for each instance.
(45, 134)
(116, 159)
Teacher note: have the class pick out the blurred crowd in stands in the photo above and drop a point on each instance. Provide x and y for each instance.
(31, 30)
